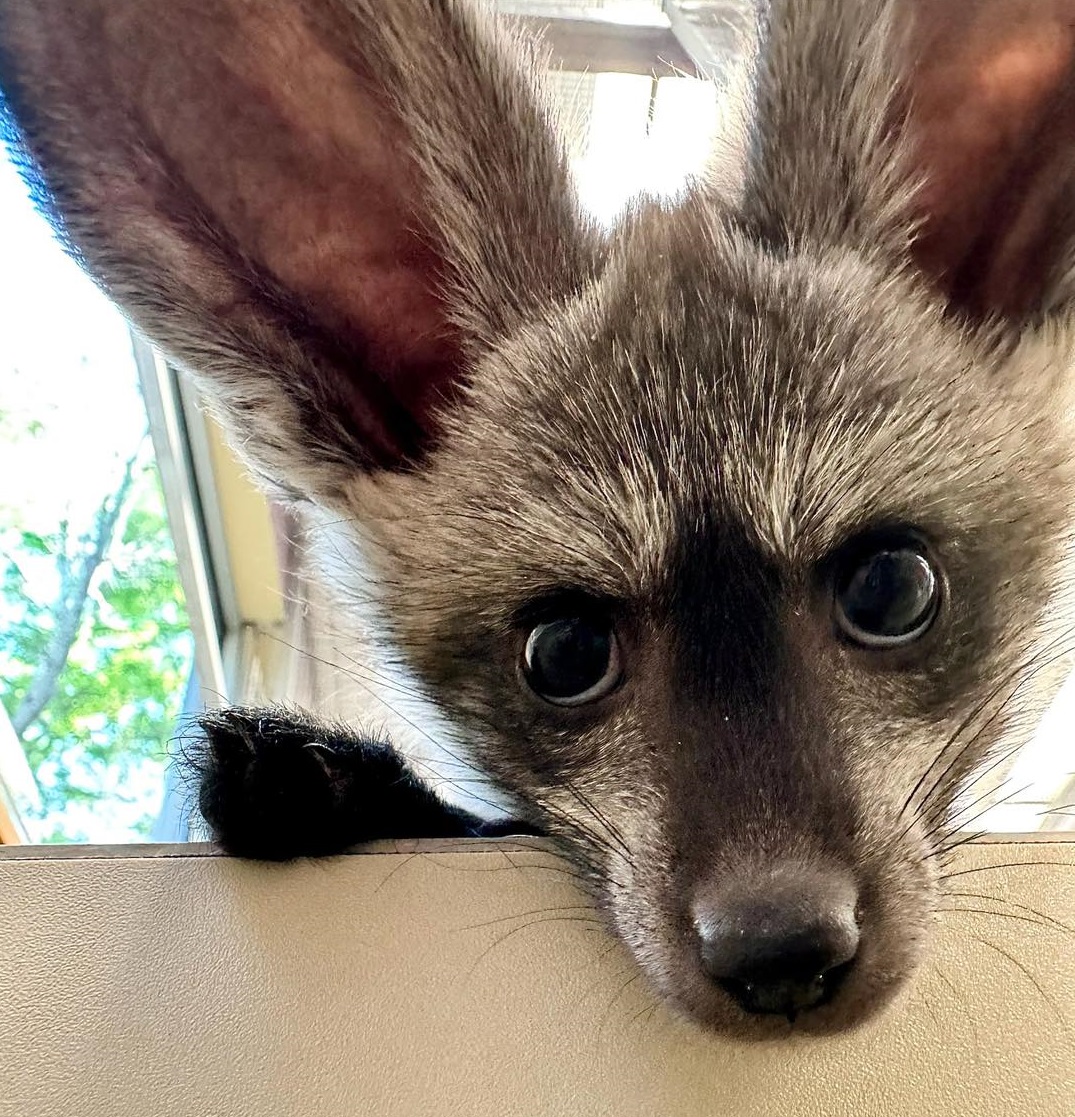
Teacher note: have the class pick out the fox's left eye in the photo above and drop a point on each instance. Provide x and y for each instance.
(887, 596)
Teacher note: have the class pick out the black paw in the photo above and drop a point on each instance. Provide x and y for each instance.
(274, 784)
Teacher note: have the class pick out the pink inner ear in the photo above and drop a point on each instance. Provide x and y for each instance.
(304, 168)
(994, 120)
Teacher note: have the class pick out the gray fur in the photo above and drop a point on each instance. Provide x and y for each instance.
(685, 418)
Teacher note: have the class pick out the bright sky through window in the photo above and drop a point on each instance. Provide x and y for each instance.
(72, 426)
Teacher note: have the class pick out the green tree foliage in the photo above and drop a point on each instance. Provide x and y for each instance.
(114, 697)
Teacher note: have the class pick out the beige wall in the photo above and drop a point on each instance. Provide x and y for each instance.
(185, 985)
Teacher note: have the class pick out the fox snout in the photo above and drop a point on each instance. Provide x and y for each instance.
(752, 942)
(780, 941)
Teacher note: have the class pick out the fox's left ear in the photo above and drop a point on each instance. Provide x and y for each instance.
(949, 121)
(993, 131)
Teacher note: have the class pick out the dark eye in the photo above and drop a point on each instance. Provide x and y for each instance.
(572, 660)
(887, 596)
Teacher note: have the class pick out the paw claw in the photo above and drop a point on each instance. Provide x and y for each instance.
(322, 754)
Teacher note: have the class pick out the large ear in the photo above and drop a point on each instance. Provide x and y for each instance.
(327, 209)
(946, 123)
(993, 119)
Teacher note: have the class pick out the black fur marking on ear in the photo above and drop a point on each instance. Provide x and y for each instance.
(274, 785)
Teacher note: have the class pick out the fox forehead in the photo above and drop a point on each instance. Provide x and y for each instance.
(780, 395)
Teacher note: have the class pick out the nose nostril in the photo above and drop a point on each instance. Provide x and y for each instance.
(785, 996)
(784, 950)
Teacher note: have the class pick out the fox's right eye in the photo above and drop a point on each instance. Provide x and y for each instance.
(570, 661)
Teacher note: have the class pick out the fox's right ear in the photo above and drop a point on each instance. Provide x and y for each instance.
(327, 209)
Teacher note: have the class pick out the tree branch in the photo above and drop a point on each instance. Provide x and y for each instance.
(76, 575)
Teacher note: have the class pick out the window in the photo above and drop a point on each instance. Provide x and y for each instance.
(118, 611)
(96, 651)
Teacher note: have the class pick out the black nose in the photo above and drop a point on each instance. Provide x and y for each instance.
(781, 941)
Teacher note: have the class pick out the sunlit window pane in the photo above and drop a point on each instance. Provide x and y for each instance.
(95, 645)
